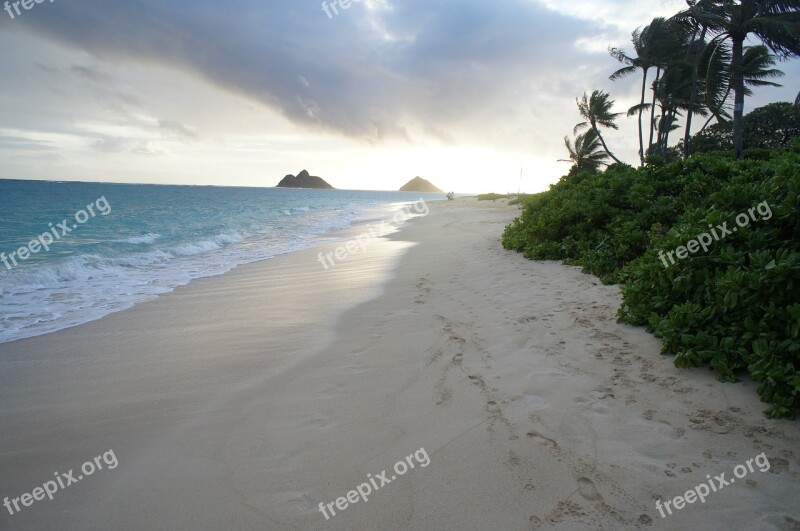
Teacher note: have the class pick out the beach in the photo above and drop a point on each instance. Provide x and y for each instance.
(260, 398)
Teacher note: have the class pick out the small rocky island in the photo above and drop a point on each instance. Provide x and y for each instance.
(418, 184)
(304, 180)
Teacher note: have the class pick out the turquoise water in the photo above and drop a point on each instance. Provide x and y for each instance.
(122, 244)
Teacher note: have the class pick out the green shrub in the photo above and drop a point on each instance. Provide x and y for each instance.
(601, 221)
(491, 197)
(735, 307)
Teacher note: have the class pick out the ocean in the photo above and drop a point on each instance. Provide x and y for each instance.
(91, 249)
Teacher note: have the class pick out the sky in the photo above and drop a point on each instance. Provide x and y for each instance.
(475, 96)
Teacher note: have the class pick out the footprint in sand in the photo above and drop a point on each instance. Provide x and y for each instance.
(546, 441)
(444, 397)
(434, 357)
(513, 459)
(778, 465)
(587, 489)
(477, 380)
(493, 408)
(425, 290)
(603, 393)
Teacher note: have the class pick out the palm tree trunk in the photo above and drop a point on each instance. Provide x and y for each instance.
(693, 97)
(602, 141)
(737, 80)
(708, 122)
(663, 128)
(653, 109)
(714, 113)
(667, 131)
(641, 109)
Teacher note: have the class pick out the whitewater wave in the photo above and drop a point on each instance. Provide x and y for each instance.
(145, 239)
(112, 271)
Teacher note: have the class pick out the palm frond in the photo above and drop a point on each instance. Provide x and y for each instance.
(623, 72)
(757, 63)
(633, 111)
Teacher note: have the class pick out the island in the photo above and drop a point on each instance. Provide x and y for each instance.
(304, 180)
(418, 184)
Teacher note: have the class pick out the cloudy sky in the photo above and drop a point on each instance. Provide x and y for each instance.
(462, 92)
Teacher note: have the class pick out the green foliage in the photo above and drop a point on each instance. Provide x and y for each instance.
(737, 306)
(602, 221)
(716, 137)
(733, 308)
(491, 197)
(586, 153)
(596, 113)
(773, 23)
(772, 126)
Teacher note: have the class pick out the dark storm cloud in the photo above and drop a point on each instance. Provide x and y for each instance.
(369, 73)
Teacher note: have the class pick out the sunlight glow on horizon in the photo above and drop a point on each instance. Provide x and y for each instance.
(340, 100)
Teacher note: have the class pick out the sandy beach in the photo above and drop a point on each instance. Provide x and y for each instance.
(505, 386)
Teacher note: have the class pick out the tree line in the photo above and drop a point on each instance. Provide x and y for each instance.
(703, 66)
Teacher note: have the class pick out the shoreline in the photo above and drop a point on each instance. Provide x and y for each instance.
(371, 214)
(536, 408)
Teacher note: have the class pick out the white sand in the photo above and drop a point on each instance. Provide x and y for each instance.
(231, 404)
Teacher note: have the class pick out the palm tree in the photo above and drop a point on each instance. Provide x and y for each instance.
(775, 22)
(672, 46)
(716, 84)
(587, 152)
(673, 93)
(642, 61)
(757, 66)
(650, 53)
(596, 112)
(699, 47)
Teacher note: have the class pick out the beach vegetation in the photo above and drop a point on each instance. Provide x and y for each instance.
(596, 111)
(734, 308)
(586, 152)
(704, 69)
(519, 199)
(491, 197)
(775, 23)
